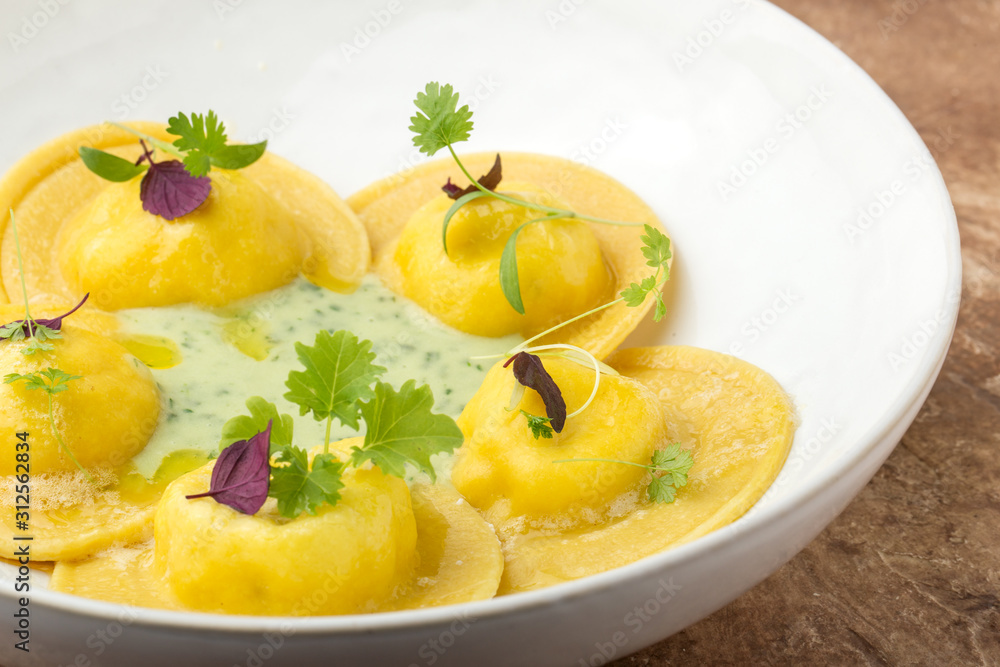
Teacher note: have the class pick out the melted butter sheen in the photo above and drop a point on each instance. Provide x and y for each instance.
(248, 349)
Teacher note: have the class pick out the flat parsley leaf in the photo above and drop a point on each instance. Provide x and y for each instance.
(402, 429)
(298, 488)
(674, 463)
(262, 413)
(339, 373)
(440, 124)
(539, 425)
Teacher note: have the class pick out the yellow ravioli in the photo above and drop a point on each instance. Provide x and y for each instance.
(105, 417)
(458, 560)
(738, 424)
(515, 478)
(277, 221)
(385, 208)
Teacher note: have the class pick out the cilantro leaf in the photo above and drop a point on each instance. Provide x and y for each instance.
(661, 491)
(440, 124)
(674, 463)
(402, 429)
(339, 373)
(199, 137)
(636, 293)
(661, 308)
(299, 489)
(262, 413)
(539, 425)
(656, 247)
(110, 167)
(241, 475)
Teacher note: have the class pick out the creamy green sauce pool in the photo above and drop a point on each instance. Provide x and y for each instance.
(217, 372)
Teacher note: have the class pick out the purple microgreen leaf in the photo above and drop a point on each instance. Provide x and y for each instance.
(242, 474)
(56, 322)
(529, 371)
(39, 331)
(169, 191)
(490, 180)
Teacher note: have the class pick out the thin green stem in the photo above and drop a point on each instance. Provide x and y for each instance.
(326, 441)
(20, 266)
(162, 145)
(559, 212)
(510, 200)
(628, 463)
(55, 431)
(531, 340)
(603, 221)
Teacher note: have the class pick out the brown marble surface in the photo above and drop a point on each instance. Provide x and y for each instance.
(909, 574)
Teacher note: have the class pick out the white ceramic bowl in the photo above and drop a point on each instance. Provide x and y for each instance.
(813, 232)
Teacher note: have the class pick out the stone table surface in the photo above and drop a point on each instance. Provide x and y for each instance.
(909, 574)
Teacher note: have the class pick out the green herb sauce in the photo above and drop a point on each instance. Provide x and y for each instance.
(218, 370)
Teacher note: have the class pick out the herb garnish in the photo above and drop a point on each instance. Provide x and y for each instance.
(673, 462)
(656, 250)
(240, 475)
(262, 415)
(490, 180)
(299, 488)
(440, 123)
(38, 332)
(529, 372)
(52, 381)
(172, 189)
(539, 425)
(340, 381)
(402, 429)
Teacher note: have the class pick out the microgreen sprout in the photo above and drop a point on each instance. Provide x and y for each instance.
(38, 332)
(174, 188)
(340, 381)
(52, 381)
(672, 463)
(441, 123)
